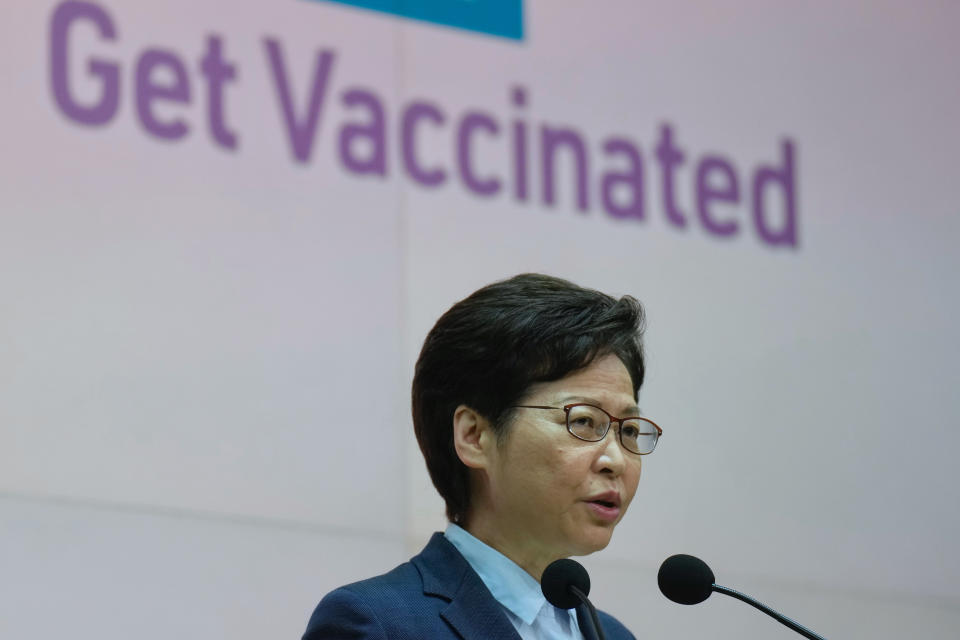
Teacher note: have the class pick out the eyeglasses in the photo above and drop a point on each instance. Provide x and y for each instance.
(591, 423)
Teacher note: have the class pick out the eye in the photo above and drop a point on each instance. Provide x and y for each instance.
(587, 423)
(630, 430)
(588, 427)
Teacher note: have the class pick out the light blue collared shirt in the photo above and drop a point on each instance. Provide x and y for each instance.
(517, 592)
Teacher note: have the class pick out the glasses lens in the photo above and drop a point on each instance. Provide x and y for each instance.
(639, 435)
(587, 423)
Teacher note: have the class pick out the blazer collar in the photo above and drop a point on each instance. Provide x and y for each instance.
(472, 611)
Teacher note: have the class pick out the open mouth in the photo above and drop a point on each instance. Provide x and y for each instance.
(604, 503)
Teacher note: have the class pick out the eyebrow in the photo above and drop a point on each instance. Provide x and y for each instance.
(629, 412)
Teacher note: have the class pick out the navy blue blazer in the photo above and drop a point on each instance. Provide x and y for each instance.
(435, 596)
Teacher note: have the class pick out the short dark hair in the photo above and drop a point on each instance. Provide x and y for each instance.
(488, 349)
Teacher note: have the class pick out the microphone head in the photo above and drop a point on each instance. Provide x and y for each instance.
(685, 579)
(557, 579)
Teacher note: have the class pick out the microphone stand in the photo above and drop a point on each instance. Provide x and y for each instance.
(779, 617)
(593, 612)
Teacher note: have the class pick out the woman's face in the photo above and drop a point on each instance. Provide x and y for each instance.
(548, 494)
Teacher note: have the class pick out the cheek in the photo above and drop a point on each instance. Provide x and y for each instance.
(527, 475)
(550, 468)
(554, 477)
(630, 482)
(573, 473)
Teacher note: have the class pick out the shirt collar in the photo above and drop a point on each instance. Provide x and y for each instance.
(510, 585)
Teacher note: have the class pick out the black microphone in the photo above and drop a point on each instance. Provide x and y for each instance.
(566, 584)
(688, 580)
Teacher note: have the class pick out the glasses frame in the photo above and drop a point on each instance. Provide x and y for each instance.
(566, 410)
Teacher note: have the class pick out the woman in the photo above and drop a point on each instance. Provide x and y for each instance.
(524, 406)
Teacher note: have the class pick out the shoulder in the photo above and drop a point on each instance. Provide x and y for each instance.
(407, 602)
(613, 628)
(380, 607)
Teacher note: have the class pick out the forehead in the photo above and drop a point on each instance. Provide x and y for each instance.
(604, 382)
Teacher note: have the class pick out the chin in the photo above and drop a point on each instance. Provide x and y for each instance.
(592, 542)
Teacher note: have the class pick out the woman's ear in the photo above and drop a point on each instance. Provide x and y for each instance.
(473, 437)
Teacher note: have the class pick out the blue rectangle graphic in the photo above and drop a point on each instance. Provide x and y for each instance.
(495, 17)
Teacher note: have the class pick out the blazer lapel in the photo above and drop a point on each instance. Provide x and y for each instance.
(472, 611)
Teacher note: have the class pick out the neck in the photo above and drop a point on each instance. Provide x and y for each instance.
(527, 554)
